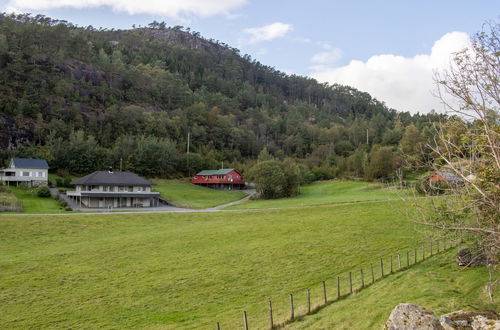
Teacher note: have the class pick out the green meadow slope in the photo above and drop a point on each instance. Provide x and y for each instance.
(185, 271)
(328, 192)
(184, 194)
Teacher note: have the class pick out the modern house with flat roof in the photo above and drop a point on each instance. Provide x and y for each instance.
(225, 178)
(33, 172)
(108, 189)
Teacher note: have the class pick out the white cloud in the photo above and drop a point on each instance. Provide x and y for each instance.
(403, 83)
(176, 9)
(324, 60)
(268, 32)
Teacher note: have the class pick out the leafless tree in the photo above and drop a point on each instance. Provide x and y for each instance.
(468, 146)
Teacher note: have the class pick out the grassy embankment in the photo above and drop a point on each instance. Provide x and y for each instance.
(328, 192)
(437, 284)
(181, 193)
(185, 271)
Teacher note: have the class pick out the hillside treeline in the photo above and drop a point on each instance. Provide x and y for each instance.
(86, 99)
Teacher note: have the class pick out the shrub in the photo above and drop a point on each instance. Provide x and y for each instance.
(43, 191)
(62, 202)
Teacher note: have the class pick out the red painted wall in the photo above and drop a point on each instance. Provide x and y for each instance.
(236, 178)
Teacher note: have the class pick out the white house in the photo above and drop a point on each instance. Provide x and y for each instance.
(33, 172)
(108, 189)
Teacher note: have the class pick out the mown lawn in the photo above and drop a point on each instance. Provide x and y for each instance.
(328, 192)
(185, 271)
(184, 194)
(31, 203)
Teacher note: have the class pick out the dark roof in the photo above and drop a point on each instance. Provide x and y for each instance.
(222, 171)
(113, 179)
(30, 163)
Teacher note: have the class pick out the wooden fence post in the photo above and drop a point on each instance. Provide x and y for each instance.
(217, 326)
(292, 314)
(399, 261)
(338, 286)
(373, 275)
(391, 264)
(308, 301)
(431, 249)
(324, 292)
(423, 251)
(271, 323)
(407, 258)
(416, 256)
(381, 267)
(438, 246)
(362, 279)
(350, 282)
(245, 321)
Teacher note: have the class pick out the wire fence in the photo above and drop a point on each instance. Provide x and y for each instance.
(281, 310)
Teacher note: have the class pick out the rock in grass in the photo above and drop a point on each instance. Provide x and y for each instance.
(470, 320)
(409, 316)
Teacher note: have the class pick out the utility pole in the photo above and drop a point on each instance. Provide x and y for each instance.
(367, 140)
(189, 168)
(121, 164)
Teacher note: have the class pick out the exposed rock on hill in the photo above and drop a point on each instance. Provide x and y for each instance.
(409, 316)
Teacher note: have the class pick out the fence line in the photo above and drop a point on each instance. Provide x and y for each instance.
(296, 311)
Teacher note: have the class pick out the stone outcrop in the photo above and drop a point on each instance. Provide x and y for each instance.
(409, 316)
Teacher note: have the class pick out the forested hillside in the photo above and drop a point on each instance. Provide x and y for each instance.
(86, 98)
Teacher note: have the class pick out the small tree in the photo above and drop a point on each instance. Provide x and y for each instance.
(43, 191)
(469, 146)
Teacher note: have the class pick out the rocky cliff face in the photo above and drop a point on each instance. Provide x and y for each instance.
(11, 135)
(188, 40)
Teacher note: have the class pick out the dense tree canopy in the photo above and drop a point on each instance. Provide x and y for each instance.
(74, 94)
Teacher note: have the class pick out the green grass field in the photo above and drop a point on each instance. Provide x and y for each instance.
(327, 192)
(183, 194)
(31, 203)
(185, 271)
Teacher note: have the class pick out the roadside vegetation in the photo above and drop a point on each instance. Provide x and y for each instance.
(181, 193)
(8, 200)
(329, 192)
(190, 270)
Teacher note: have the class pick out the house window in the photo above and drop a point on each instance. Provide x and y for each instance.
(130, 189)
(26, 173)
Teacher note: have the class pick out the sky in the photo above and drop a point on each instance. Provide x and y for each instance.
(388, 48)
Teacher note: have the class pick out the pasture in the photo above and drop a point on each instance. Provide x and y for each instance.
(328, 192)
(182, 193)
(185, 271)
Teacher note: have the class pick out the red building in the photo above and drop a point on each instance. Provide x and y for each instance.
(226, 178)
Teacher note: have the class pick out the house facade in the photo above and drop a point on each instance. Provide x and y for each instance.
(226, 178)
(108, 189)
(33, 172)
